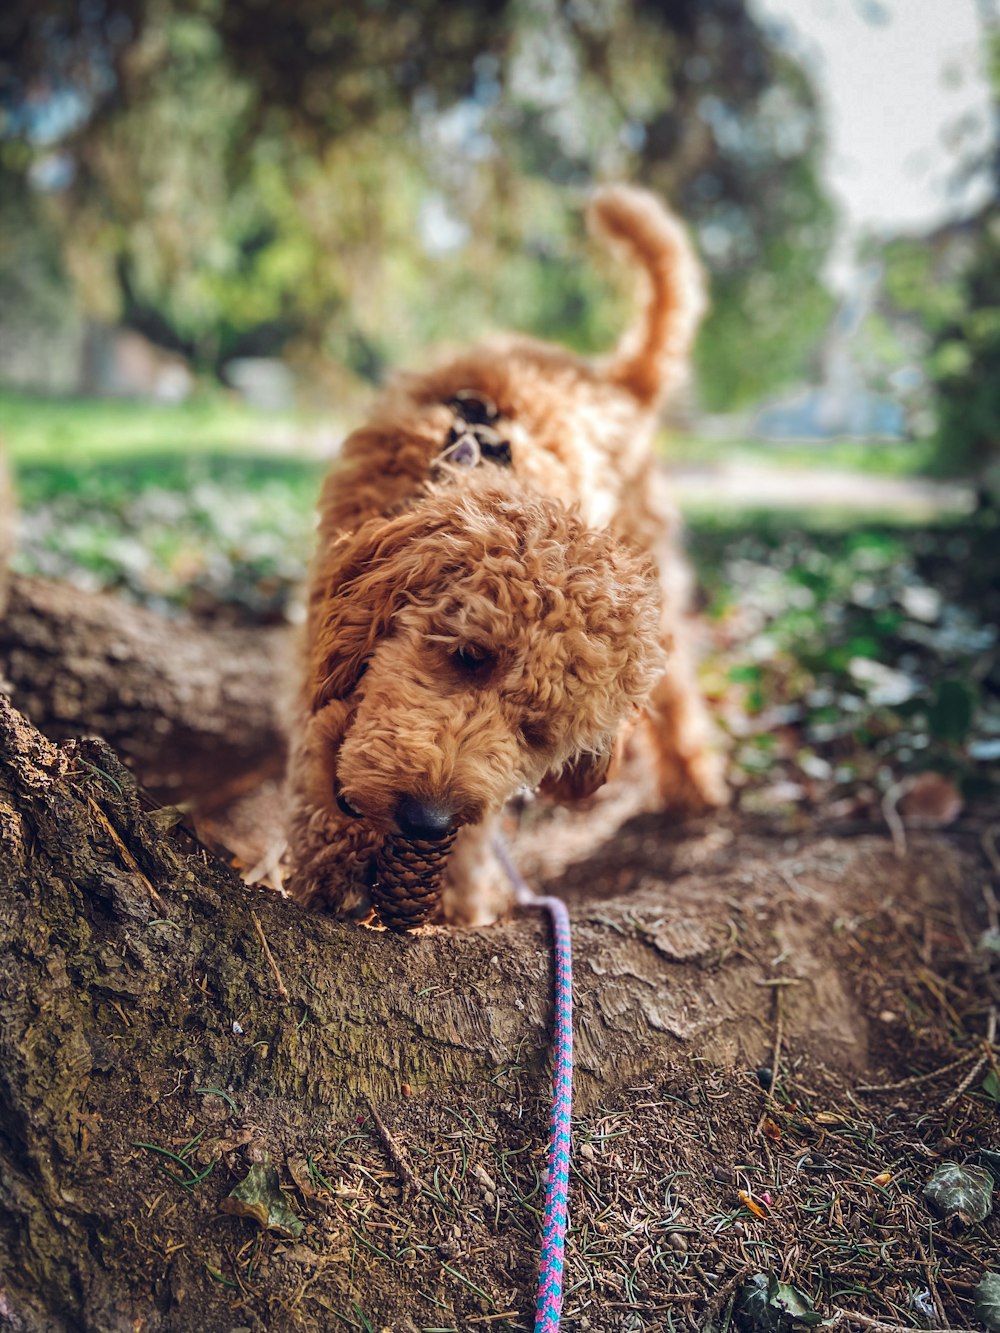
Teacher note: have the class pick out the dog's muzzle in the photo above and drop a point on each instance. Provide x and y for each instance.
(424, 820)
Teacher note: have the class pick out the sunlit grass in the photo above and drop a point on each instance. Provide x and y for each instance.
(889, 458)
(84, 431)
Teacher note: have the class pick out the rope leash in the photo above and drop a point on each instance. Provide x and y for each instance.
(552, 1261)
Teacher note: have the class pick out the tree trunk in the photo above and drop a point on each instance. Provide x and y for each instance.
(195, 713)
(150, 1004)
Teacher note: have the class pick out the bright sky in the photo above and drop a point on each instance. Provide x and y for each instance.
(905, 98)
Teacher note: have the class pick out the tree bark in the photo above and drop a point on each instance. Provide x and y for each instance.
(195, 713)
(148, 999)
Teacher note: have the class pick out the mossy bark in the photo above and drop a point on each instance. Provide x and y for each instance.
(144, 990)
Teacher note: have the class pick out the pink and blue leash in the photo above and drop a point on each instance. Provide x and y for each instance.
(553, 1257)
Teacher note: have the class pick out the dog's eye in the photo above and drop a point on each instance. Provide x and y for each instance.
(346, 806)
(473, 660)
(536, 735)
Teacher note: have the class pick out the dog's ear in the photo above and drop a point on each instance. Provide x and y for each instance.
(584, 774)
(364, 579)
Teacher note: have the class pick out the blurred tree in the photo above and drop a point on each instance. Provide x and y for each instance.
(231, 178)
(943, 290)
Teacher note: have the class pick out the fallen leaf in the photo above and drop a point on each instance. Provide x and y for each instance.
(259, 1197)
(882, 1179)
(771, 1129)
(930, 800)
(750, 1204)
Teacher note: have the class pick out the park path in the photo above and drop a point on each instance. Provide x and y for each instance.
(740, 485)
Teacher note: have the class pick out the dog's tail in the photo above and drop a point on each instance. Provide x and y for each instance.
(652, 356)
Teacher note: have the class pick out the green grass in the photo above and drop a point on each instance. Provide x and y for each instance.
(902, 458)
(85, 431)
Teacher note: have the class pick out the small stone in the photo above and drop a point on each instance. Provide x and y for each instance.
(677, 1242)
(587, 1152)
(484, 1178)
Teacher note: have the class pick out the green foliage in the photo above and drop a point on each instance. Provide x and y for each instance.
(256, 180)
(850, 661)
(950, 713)
(766, 1305)
(949, 284)
(966, 367)
(961, 1192)
(987, 1295)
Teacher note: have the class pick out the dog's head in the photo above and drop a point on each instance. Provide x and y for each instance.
(484, 641)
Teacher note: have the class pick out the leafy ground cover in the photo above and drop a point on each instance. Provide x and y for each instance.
(225, 534)
(848, 666)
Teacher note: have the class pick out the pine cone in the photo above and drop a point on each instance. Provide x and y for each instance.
(408, 875)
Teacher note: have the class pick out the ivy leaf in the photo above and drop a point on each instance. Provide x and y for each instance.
(259, 1197)
(991, 1086)
(991, 1160)
(950, 713)
(988, 1301)
(766, 1305)
(965, 1192)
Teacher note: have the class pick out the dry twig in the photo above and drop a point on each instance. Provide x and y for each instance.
(282, 989)
(400, 1160)
(892, 817)
(876, 1325)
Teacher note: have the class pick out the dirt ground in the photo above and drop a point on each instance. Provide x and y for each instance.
(816, 1097)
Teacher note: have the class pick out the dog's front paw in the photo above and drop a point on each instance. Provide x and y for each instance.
(694, 783)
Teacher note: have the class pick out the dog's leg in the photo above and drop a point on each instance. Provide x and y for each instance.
(476, 890)
(690, 771)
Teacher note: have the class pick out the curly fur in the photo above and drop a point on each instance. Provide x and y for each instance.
(560, 573)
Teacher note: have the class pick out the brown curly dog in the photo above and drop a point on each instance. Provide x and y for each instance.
(497, 591)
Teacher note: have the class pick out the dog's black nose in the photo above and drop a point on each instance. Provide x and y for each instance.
(424, 820)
